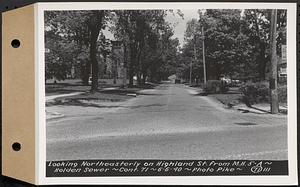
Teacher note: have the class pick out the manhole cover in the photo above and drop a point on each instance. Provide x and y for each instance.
(246, 124)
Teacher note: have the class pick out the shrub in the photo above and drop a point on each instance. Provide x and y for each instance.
(282, 94)
(215, 86)
(260, 92)
(255, 92)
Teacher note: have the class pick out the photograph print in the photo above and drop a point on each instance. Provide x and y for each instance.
(179, 87)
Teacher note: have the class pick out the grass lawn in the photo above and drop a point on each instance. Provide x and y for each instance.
(231, 98)
(65, 88)
(235, 98)
(89, 99)
(71, 86)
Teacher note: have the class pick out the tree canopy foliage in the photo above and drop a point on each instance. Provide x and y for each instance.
(236, 42)
(145, 34)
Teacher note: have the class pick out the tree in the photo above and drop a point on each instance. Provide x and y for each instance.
(237, 42)
(222, 29)
(95, 22)
(257, 28)
(60, 51)
(193, 39)
(82, 27)
(143, 32)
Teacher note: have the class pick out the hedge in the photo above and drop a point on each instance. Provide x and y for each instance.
(215, 86)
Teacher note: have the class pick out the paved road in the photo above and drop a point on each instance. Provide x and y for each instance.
(168, 122)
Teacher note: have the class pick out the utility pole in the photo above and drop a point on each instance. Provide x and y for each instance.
(195, 51)
(124, 64)
(274, 71)
(203, 55)
(191, 68)
(191, 64)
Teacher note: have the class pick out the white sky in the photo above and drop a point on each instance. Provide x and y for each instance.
(180, 24)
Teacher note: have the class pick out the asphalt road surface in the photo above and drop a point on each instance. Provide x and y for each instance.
(168, 122)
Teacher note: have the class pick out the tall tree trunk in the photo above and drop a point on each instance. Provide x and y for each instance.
(93, 57)
(130, 76)
(131, 64)
(86, 72)
(124, 68)
(95, 27)
(139, 74)
(262, 61)
(115, 72)
(262, 52)
(139, 64)
(143, 78)
(151, 77)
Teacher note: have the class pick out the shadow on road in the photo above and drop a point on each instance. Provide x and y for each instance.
(97, 103)
(77, 102)
(266, 111)
(144, 106)
(246, 124)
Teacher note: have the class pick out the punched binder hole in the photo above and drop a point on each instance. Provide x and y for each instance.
(15, 43)
(16, 146)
